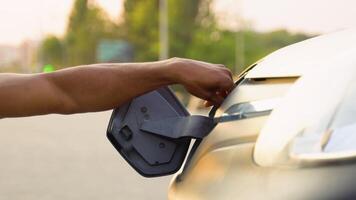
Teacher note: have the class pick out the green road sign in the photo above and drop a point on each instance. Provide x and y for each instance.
(114, 51)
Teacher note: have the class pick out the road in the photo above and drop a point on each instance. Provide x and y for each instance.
(58, 157)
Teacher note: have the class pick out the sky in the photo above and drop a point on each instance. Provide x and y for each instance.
(313, 16)
(33, 19)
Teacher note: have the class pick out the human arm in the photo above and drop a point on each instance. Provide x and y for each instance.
(105, 86)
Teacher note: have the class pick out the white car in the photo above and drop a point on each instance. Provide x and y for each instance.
(286, 131)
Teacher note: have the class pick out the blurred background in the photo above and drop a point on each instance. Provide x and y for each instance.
(68, 157)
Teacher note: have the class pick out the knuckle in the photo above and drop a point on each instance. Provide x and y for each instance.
(204, 94)
(227, 71)
(226, 83)
(221, 65)
(175, 58)
(211, 96)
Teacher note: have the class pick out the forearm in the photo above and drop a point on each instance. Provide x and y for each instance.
(105, 86)
(24, 95)
(79, 89)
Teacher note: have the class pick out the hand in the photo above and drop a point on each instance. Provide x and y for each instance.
(211, 82)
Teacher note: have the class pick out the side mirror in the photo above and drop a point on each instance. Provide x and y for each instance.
(153, 132)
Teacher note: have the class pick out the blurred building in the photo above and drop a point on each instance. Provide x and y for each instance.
(8, 55)
(20, 58)
(28, 55)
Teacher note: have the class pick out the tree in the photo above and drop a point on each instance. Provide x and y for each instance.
(141, 24)
(193, 33)
(182, 24)
(141, 28)
(85, 28)
(213, 45)
(51, 51)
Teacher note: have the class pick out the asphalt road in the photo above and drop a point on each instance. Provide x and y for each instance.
(58, 157)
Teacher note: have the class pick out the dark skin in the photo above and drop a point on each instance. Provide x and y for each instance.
(101, 87)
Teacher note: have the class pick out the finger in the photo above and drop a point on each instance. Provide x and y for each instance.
(222, 93)
(220, 97)
(216, 99)
(208, 103)
(221, 65)
(226, 70)
(225, 93)
(226, 85)
(205, 95)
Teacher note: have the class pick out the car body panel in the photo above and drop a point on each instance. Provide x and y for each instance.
(230, 173)
(304, 112)
(224, 165)
(297, 59)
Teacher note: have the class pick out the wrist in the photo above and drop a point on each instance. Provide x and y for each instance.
(172, 70)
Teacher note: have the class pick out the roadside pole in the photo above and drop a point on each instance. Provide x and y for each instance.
(163, 30)
(240, 41)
